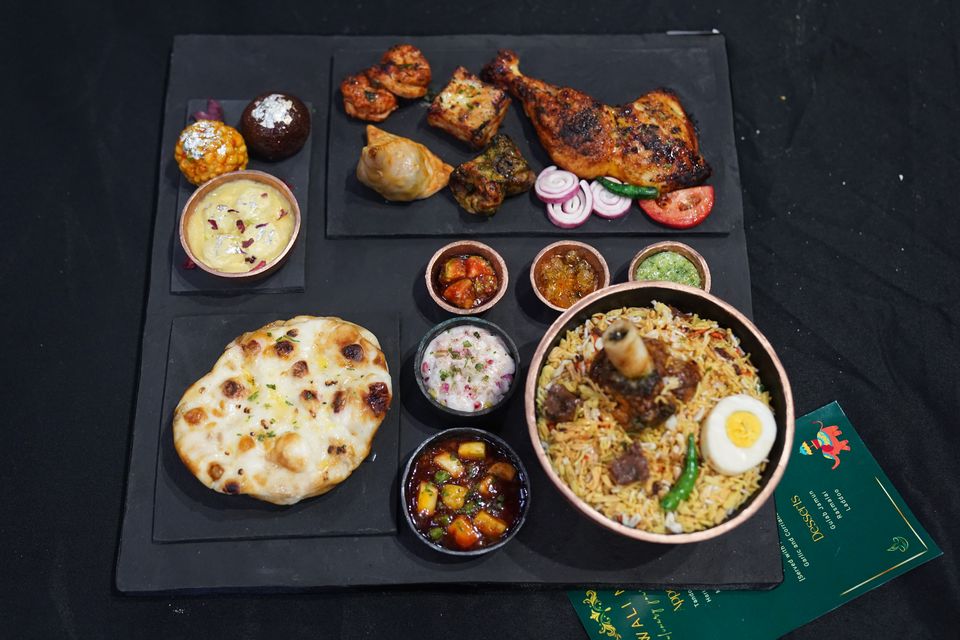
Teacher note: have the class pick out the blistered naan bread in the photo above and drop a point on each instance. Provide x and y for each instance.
(400, 169)
(287, 412)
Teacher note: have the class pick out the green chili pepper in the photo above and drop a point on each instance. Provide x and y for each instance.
(631, 191)
(684, 485)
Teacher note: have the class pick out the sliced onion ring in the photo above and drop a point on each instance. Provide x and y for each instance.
(607, 204)
(575, 211)
(555, 185)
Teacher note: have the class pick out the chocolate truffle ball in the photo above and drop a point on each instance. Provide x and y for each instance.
(275, 125)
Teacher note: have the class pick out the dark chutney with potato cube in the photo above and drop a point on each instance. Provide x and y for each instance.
(465, 494)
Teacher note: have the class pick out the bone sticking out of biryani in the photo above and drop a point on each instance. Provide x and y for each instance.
(626, 350)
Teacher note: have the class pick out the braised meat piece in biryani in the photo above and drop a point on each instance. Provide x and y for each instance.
(630, 466)
(650, 141)
(469, 109)
(641, 377)
(560, 404)
(480, 185)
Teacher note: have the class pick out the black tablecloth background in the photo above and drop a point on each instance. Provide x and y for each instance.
(845, 120)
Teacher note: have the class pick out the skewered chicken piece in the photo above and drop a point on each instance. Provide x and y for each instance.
(403, 71)
(372, 94)
(650, 141)
(363, 100)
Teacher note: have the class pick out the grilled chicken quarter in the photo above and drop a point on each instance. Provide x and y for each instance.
(650, 141)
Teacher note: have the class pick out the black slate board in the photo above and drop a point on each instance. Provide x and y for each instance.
(695, 69)
(295, 171)
(556, 548)
(186, 510)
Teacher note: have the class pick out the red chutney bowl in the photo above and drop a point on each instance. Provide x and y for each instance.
(465, 248)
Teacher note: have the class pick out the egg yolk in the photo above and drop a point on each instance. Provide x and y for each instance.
(743, 429)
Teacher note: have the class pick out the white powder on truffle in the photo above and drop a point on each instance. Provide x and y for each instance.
(199, 138)
(273, 109)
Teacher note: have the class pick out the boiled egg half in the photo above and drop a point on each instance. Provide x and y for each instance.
(738, 434)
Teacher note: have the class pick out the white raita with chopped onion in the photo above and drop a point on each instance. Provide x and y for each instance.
(467, 368)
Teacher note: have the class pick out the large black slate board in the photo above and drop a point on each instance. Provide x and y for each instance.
(695, 68)
(556, 547)
(184, 509)
(295, 171)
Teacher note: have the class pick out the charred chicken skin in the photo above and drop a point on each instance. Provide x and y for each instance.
(650, 141)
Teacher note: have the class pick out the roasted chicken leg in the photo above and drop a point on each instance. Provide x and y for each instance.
(650, 141)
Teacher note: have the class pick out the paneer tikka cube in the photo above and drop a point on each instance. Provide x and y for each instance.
(469, 109)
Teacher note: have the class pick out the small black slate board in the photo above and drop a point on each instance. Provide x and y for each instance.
(184, 509)
(295, 171)
(616, 75)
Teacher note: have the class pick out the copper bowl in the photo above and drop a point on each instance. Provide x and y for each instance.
(465, 248)
(589, 253)
(210, 185)
(686, 251)
(691, 299)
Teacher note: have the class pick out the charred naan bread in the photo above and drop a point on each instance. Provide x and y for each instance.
(287, 412)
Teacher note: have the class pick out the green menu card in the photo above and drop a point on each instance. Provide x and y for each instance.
(844, 530)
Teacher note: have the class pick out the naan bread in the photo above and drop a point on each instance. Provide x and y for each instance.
(287, 412)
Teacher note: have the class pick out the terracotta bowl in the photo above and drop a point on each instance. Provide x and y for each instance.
(686, 251)
(592, 256)
(462, 248)
(762, 355)
(210, 185)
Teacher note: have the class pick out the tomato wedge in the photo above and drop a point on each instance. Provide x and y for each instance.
(680, 209)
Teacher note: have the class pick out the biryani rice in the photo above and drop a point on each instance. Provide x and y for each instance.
(581, 450)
